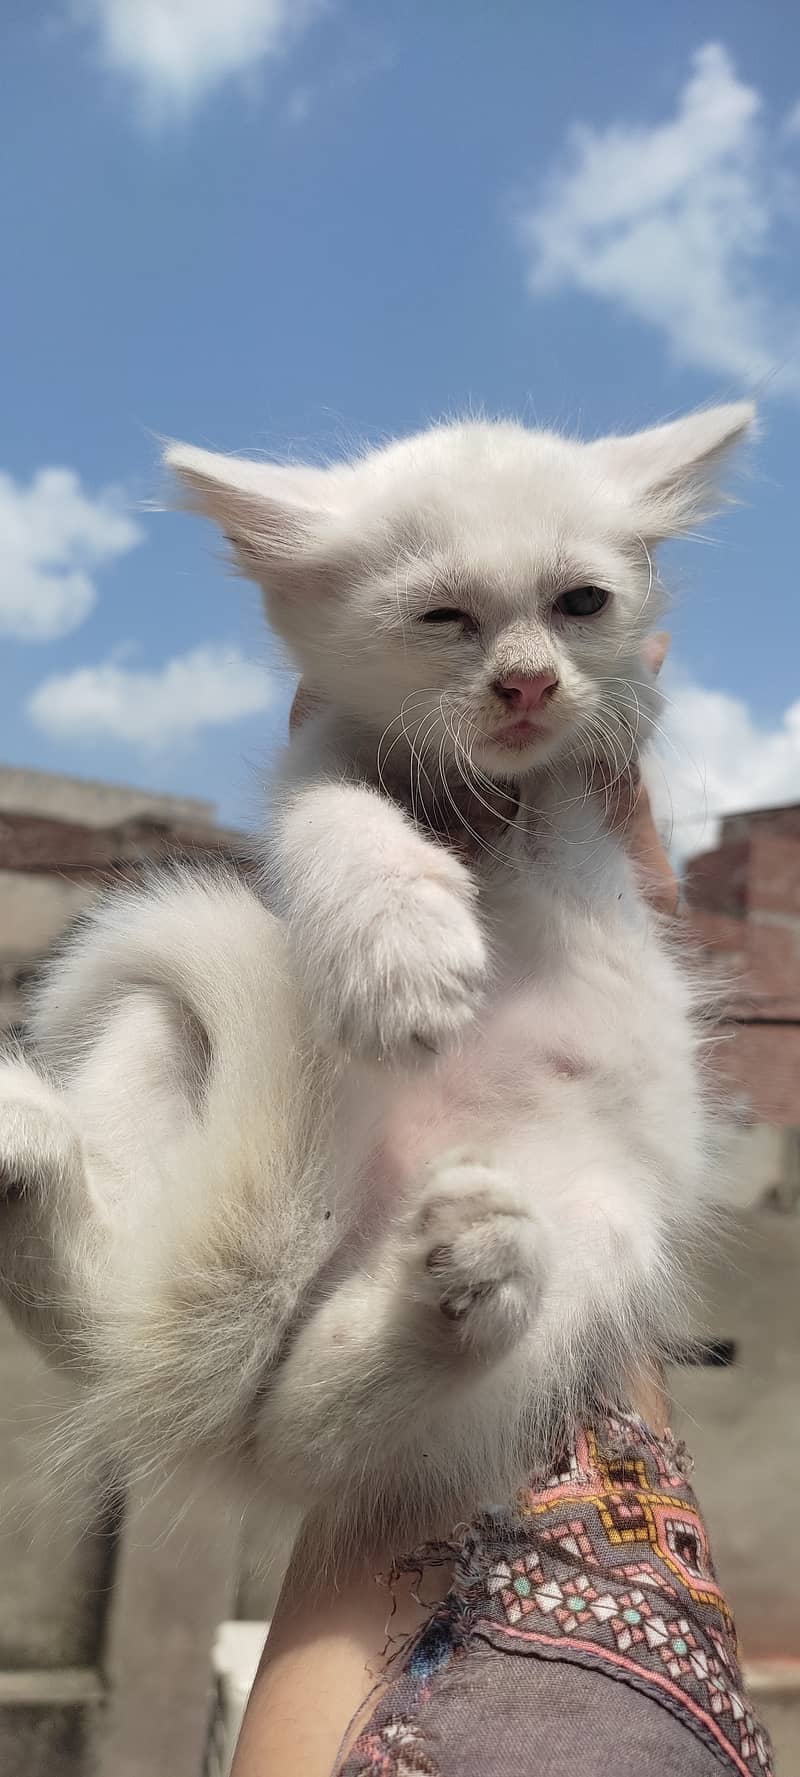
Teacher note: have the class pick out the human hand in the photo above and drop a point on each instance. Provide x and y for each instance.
(631, 816)
(627, 805)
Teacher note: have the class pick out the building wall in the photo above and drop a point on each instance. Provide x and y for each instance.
(744, 912)
(761, 1066)
(93, 803)
(743, 1423)
(62, 840)
(34, 911)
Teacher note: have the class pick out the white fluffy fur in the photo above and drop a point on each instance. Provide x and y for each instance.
(374, 1178)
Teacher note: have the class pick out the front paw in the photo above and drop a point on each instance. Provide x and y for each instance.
(400, 982)
(476, 1253)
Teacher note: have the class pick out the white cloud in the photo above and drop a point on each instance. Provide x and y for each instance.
(676, 223)
(210, 686)
(718, 759)
(175, 51)
(52, 535)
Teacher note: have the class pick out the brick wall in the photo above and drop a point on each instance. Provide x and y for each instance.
(744, 911)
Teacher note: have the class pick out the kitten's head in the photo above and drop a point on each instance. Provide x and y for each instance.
(485, 588)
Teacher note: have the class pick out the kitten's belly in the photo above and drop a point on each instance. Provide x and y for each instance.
(586, 1016)
(517, 1066)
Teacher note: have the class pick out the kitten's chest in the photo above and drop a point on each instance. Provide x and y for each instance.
(554, 898)
(556, 893)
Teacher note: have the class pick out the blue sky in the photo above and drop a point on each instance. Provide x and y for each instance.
(274, 223)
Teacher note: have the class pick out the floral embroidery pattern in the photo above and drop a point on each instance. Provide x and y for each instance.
(395, 1750)
(562, 1588)
(605, 1562)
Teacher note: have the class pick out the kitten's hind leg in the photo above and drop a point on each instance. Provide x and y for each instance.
(401, 1392)
(50, 1230)
(476, 1251)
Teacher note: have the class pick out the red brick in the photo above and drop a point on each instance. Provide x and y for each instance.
(744, 913)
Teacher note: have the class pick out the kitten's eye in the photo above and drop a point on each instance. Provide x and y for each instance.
(582, 601)
(449, 614)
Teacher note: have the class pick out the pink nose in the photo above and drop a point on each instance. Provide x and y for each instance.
(525, 692)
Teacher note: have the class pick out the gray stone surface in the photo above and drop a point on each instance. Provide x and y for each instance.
(142, 1614)
(47, 1743)
(781, 1717)
(57, 1542)
(57, 1557)
(743, 1427)
(175, 1583)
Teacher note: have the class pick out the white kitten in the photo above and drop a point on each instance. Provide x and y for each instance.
(376, 1188)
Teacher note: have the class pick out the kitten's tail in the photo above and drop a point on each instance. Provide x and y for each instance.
(204, 942)
(173, 1027)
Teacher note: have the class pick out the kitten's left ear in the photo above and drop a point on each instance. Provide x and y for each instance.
(671, 473)
(269, 511)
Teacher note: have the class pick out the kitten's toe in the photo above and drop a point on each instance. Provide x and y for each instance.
(479, 1252)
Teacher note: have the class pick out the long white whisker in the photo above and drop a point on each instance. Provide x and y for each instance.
(481, 843)
(417, 752)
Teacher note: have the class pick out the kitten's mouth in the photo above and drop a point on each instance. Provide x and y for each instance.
(522, 732)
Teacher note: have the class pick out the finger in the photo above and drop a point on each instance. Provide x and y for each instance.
(302, 706)
(655, 650)
(620, 792)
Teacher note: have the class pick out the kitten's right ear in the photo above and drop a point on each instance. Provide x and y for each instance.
(269, 511)
(671, 473)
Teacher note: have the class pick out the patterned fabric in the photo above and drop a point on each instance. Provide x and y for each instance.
(603, 1565)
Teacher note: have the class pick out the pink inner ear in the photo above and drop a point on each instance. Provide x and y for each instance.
(655, 651)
